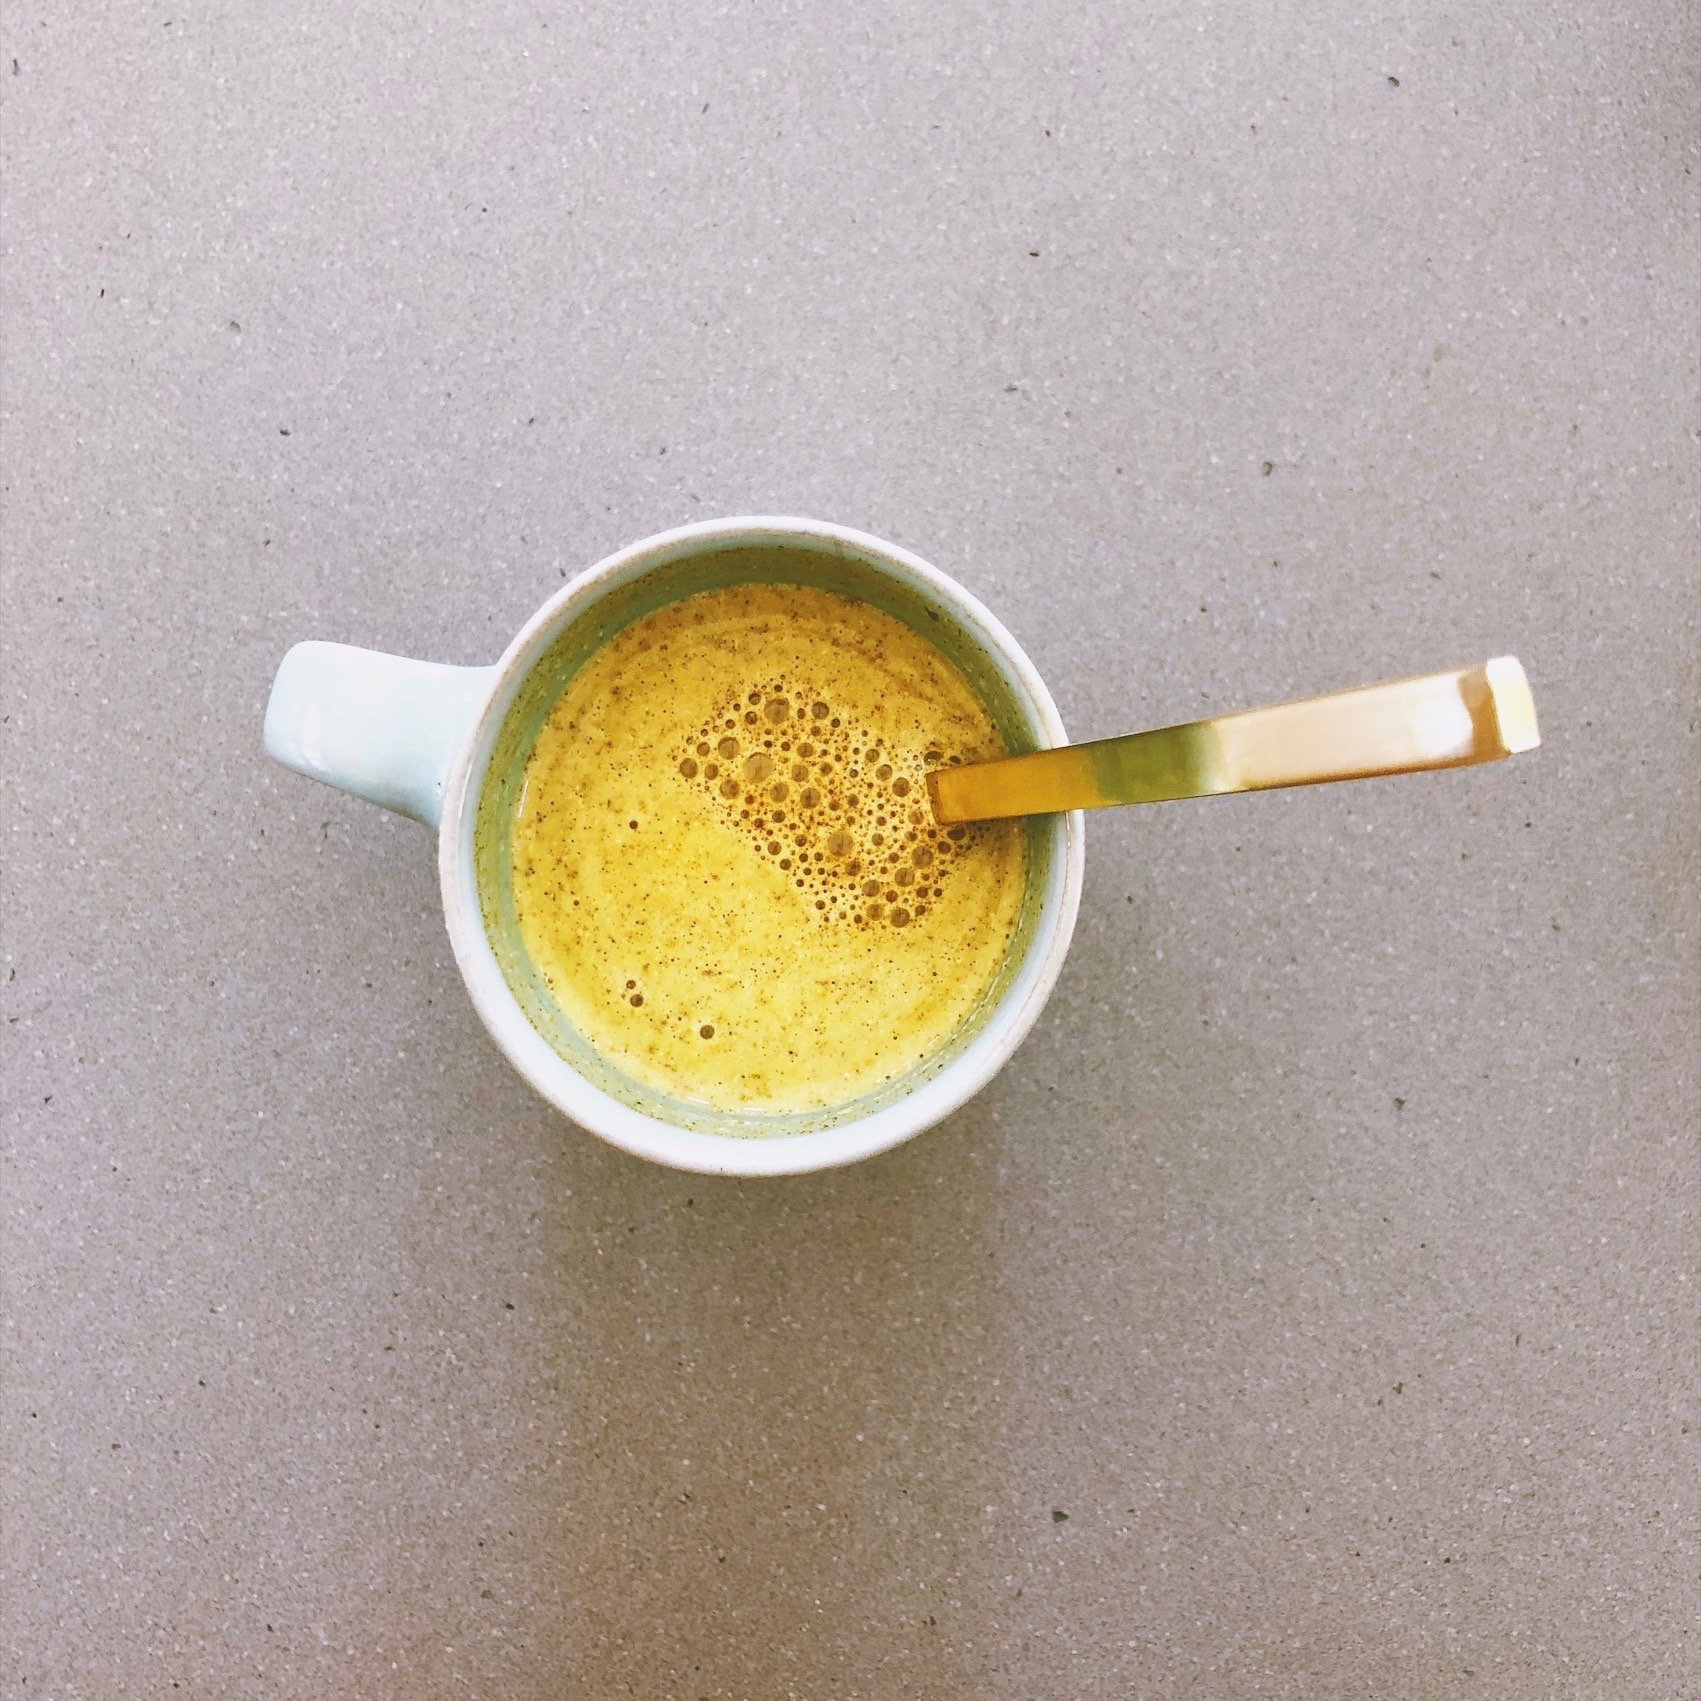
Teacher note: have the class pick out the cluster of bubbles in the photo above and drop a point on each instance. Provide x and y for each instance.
(847, 819)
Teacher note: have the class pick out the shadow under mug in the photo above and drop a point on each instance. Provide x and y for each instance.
(448, 746)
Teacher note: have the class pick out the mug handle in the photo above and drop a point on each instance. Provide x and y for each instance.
(380, 727)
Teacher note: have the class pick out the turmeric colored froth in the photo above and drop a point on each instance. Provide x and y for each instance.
(724, 863)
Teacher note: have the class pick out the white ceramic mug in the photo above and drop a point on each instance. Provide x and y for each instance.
(420, 738)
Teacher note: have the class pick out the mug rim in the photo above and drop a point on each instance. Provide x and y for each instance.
(553, 1076)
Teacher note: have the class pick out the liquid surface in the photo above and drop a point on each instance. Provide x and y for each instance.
(725, 867)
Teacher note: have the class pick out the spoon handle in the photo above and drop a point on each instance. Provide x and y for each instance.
(1442, 720)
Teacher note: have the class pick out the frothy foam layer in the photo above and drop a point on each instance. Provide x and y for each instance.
(843, 816)
(725, 866)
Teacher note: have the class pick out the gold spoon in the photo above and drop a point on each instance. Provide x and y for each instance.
(1443, 720)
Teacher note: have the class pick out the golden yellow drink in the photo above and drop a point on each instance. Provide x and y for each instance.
(725, 867)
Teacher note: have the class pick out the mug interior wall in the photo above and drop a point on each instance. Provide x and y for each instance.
(624, 599)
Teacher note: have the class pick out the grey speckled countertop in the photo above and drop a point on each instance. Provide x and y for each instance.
(1310, 1309)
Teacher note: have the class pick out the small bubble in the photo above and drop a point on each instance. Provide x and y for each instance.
(871, 888)
(957, 834)
(876, 912)
(834, 721)
(711, 771)
(729, 787)
(702, 747)
(900, 918)
(750, 717)
(773, 847)
(785, 862)
(707, 1031)
(820, 903)
(630, 984)
(839, 842)
(633, 825)
(900, 787)
(884, 771)
(891, 897)
(879, 838)
(728, 748)
(755, 696)
(932, 758)
(819, 711)
(688, 768)
(636, 1000)
(778, 710)
(779, 792)
(806, 751)
(921, 856)
(758, 766)
(777, 817)
(904, 877)
(799, 772)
